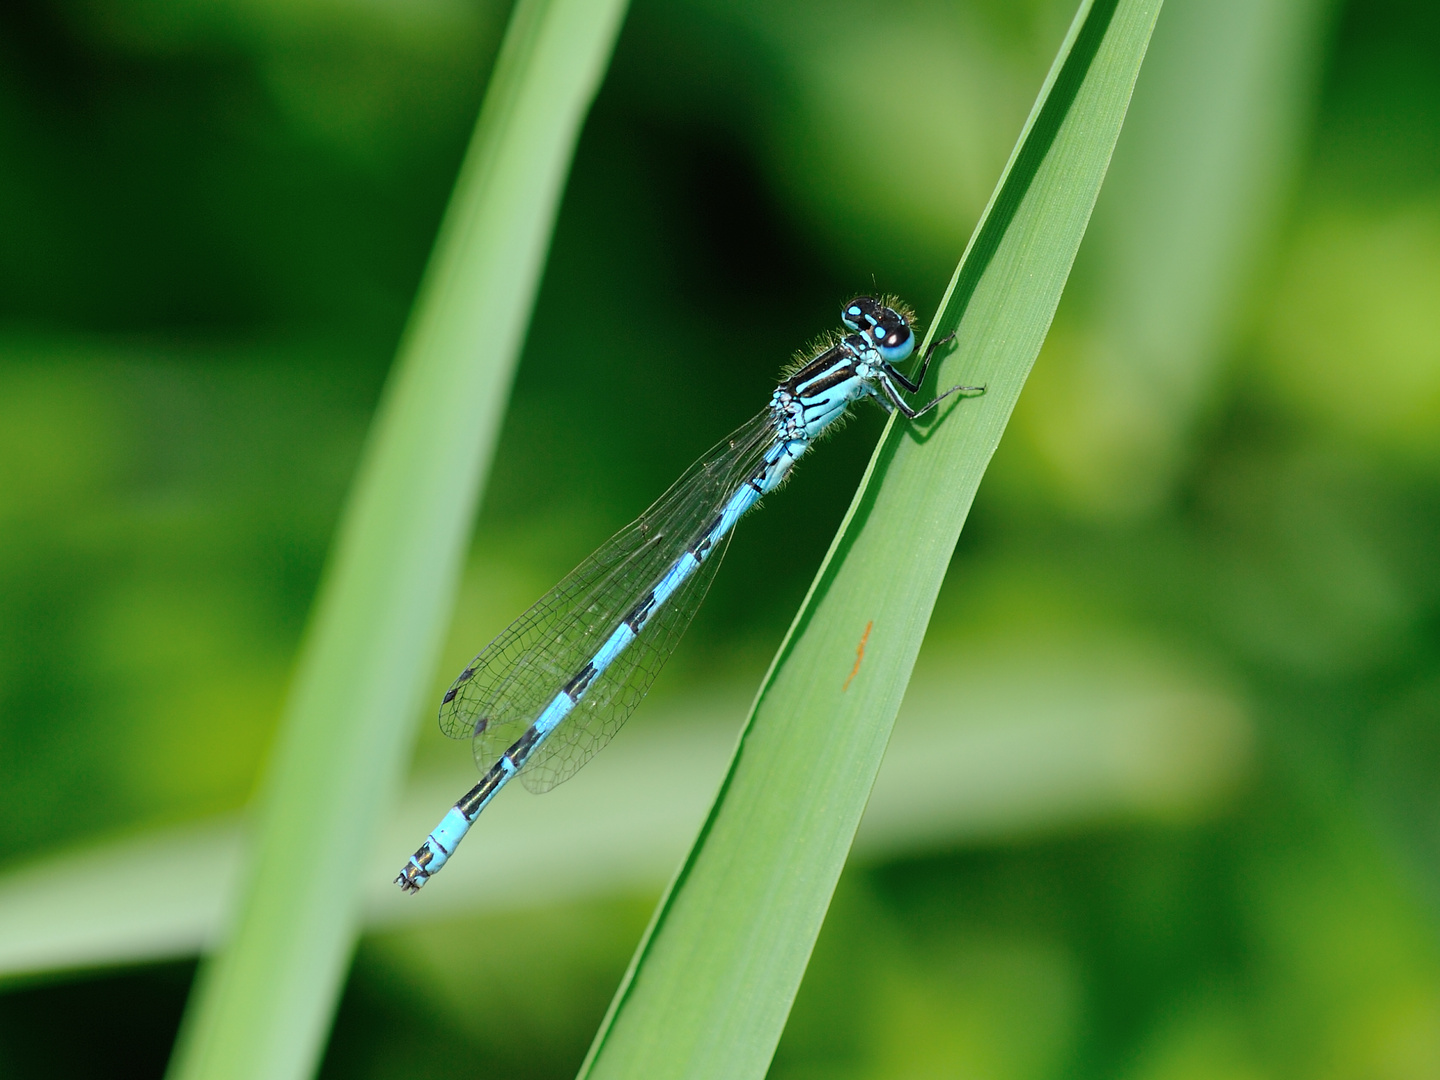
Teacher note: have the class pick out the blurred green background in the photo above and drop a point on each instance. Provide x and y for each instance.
(1221, 488)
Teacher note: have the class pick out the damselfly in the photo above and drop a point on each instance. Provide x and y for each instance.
(554, 688)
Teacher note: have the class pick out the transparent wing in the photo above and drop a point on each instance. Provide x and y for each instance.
(620, 689)
(501, 691)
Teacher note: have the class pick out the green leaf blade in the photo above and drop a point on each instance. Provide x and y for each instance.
(710, 988)
(262, 1005)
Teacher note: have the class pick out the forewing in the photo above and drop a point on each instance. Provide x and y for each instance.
(619, 690)
(501, 691)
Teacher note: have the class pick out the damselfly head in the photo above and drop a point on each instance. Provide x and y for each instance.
(887, 328)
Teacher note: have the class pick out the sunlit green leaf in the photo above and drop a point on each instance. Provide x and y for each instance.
(711, 986)
(264, 1003)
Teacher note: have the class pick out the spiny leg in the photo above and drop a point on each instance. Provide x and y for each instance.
(914, 387)
(909, 411)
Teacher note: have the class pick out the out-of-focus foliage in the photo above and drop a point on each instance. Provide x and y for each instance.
(214, 217)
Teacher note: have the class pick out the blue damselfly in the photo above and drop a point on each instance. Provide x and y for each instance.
(556, 686)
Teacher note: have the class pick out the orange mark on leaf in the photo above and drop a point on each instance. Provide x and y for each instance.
(859, 656)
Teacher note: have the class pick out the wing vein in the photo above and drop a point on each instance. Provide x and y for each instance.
(501, 692)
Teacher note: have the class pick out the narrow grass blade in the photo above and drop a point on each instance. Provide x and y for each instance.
(978, 756)
(263, 1004)
(710, 987)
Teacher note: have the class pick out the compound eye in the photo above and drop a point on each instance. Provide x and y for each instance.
(897, 344)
